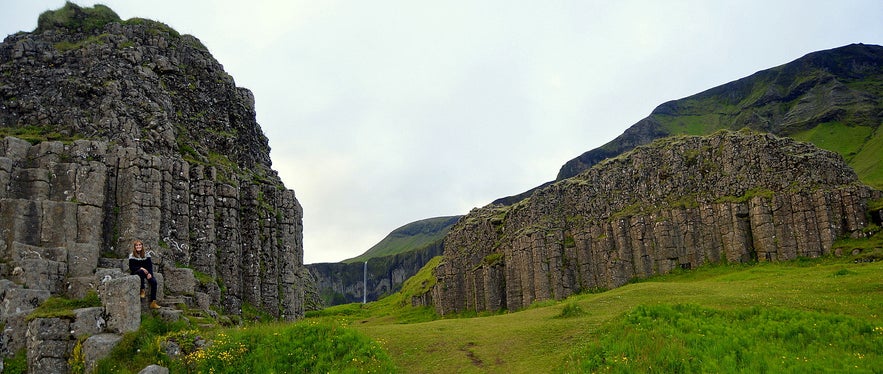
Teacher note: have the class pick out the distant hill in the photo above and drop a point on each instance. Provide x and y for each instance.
(393, 260)
(831, 98)
(414, 235)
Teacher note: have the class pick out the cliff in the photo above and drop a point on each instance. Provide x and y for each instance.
(342, 283)
(397, 257)
(117, 130)
(677, 203)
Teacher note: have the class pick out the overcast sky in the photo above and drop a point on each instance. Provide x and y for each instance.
(381, 113)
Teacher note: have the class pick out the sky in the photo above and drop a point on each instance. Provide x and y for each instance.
(381, 113)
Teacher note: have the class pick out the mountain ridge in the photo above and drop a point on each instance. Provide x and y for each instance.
(835, 85)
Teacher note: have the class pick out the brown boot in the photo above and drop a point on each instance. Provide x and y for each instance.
(143, 295)
(154, 305)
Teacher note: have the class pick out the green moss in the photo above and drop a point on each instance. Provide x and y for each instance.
(748, 195)
(37, 134)
(58, 307)
(493, 259)
(73, 17)
(17, 363)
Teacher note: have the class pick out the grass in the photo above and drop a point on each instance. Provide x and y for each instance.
(64, 308)
(72, 16)
(304, 347)
(559, 336)
(686, 338)
(410, 237)
(806, 315)
(37, 134)
(837, 137)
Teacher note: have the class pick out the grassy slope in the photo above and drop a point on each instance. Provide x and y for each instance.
(412, 236)
(535, 340)
(860, 146)
(857, 135)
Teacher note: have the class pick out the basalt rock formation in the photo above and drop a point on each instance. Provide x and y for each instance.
(119, 130)
(677, 203)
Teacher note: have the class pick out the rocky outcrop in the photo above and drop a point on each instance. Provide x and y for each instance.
(121, 130)
(677, 203)
(155, 142)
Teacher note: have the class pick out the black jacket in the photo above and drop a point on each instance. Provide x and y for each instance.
(136, 263)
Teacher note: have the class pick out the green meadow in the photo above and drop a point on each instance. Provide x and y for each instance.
(806, 315)
(818, 315)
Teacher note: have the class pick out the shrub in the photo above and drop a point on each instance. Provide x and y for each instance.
(572, 310)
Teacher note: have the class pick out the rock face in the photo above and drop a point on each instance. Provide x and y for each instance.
(342, 283)
(112, 131)
(677, 203)
(154, 142)
(393, 260)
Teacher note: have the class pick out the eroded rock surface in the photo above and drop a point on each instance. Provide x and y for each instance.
(677, 203)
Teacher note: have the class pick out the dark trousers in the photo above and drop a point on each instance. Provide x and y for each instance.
(152, 282)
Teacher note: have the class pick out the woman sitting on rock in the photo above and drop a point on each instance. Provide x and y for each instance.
(140, 264)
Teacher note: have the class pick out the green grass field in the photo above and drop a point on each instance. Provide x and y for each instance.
(807, 315)
(546, 338)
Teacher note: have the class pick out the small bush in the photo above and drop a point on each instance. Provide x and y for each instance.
(572, 310)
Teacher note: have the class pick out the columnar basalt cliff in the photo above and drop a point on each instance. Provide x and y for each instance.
(676, 203)
(121, 130)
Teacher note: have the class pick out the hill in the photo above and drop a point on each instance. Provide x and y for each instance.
(409, 237)
(390, 263)
(832, 98)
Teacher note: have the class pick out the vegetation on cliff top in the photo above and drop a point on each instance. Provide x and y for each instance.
(410, 237)
(72, 16)
(88, 20)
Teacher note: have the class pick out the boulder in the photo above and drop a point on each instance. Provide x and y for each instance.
(97, 347)
(49, 345)
(122, 304)
(88, 321)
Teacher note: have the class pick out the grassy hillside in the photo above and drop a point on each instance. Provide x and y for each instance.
(726, 303)
(414, 235)
(830, 98)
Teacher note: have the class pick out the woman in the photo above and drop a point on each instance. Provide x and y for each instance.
(141, 264)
